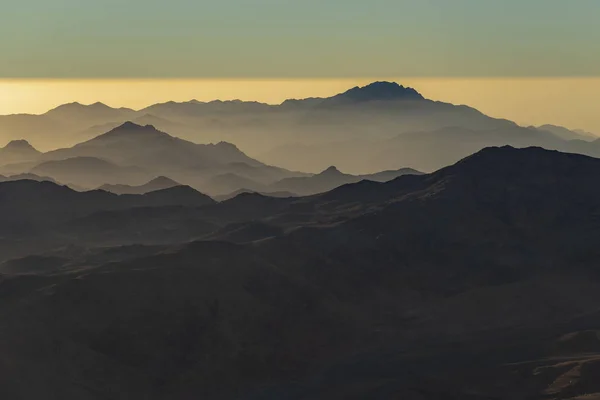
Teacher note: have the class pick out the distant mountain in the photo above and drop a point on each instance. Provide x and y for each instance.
(351, 130)
(147, 119)
(145, 146)
(229, 182)
(180, 195)
(18, 151)
(381, 109)
(159, 183)
(76, 113)
(322, 182)
(331, 178)
(420, 150)
(61, 125)
(238, 192)
(568, 134)
(89, 172)
(385, 176)
(377, 91)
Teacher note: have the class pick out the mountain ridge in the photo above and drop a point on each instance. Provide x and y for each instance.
(412, 288)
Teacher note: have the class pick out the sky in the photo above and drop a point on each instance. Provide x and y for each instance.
(532, 61)
(298, 39)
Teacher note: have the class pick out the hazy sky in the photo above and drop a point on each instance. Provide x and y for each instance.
(298, 38)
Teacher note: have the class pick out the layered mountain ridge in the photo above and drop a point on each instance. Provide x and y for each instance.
(413, 287)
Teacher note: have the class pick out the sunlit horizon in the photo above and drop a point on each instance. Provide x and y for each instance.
(568, 102)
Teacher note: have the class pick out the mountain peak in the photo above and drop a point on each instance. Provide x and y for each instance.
(99, 105)
(130, 130)
(95, 110)
(331, 171)
(382, 91)
(509, 161)
(131, 126)
(21, 146)
(163, 180)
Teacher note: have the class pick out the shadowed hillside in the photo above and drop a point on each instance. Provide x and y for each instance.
(478, 281)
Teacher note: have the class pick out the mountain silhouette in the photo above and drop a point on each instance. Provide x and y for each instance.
(27, 204)
(229, 182)
(331, 178)
(410, 288)
(17, 151)
(568, 134)
(132, 154)
(377, 91)
(145, 146)
(238, 192)
(158, 183)
(29, 176)
(86, 171)
(90, 113)
(298, 135)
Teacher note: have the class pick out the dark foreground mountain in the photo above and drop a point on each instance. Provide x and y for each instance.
(478, 281)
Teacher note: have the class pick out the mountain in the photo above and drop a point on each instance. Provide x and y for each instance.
(568, 134)
(30, 207)
(77, 113)
(322, 182)
(155, 153)
(30, 177)
(331, 178)
(229, 182)
(145, 146)
(146, 119)
(238, 192)
(354, 130)
(377, 111)
(18, 151)
(376, 91)
(420, 150)
(388, 175)
(478, 281)
(90, 172)
(159, 183)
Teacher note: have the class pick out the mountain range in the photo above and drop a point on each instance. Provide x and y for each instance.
(140, 264)
(331, 178)
(134, 159)
(159, 183)
(132, 155)
(351, 130)
(477, 281)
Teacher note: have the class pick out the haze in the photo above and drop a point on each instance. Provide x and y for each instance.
(570, 102)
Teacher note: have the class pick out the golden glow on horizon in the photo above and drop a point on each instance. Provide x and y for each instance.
(571, 102)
